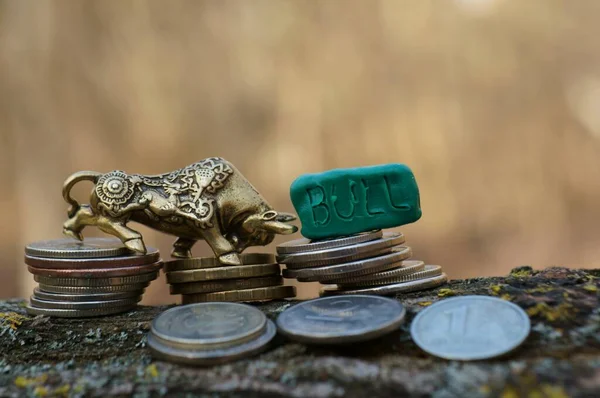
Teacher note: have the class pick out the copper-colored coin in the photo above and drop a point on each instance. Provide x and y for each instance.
(95, 272)
(259, 294)
(211, 262)
(152, 256)
(225, 285)
(223, 272)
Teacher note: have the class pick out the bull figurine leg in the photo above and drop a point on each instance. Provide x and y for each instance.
(83, 217)
(223, 249)
(131, 239)
(182, 248)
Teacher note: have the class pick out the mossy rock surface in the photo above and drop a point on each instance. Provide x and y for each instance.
(42, 356)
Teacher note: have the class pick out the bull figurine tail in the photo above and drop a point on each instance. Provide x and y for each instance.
(71, 181)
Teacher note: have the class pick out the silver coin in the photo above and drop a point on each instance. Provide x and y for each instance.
(353, 268)
(470, 328)
(429, 271)
(208, 325)
(406, 268)
(92, 290)
(79, 305)
(394, 288)
(307, 245)
(96, 282)
(341, 320)
(211, 356)
(70, 313)
(70, 248)
(42, 295)
(342, 254)
(151, 256)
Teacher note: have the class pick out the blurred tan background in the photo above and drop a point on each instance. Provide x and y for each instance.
(495, 104)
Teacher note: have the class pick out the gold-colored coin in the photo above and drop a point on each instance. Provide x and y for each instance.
(212, 262)
(428, 272)
(354, 268)
(395, 288)
(406, 267)
(225, 285)
(96, 282)
(259, 294)
(223, 272)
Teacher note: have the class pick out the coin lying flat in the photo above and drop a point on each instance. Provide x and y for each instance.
(211, 356)
(470, 328)
(341, 254)
(97, 282)
(62, 313)
(208, 326)
(353, 268)
(211, 262)
(225, 285)
(78, 290)
(70, 248)
(95, 272)
(394, 288)
(223, 272)
(152, 256)
(428, 272)
(258, 294)
(407, 267)
(78, 305)
(41, 295)
(306, 245)
(341, 320)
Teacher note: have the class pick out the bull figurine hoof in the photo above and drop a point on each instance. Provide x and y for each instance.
(209, 200)
(136, 245)
(230, 259)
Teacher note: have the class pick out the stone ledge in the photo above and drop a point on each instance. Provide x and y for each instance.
(107, 356)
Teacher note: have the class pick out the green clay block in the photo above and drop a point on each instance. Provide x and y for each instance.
(348, 201)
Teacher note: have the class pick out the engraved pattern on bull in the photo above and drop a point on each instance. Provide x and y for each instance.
(209, 200)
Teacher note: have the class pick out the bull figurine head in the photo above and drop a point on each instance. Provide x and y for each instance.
(209, 200)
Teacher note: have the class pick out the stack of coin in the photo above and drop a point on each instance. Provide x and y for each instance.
(373, 262)
(209, 333)
(96, 277)
(203, 279)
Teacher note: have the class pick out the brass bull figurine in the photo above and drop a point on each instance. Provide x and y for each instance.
(209, 200)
